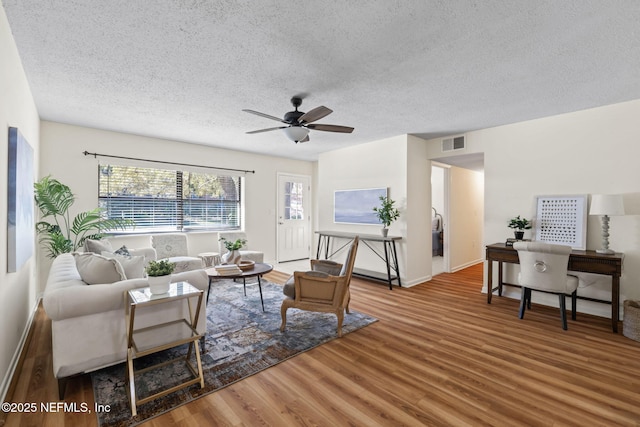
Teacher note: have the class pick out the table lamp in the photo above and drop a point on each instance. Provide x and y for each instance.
(606, 205)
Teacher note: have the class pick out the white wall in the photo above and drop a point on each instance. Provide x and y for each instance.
(18, 291)
(585, 152)
(62, 158)
(400, 164)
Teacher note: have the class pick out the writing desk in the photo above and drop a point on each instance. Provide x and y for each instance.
(582, 261)
(390, 257)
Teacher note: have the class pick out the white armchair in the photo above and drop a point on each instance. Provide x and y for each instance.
(173, 247)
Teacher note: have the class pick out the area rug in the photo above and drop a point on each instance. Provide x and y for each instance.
(242, 340)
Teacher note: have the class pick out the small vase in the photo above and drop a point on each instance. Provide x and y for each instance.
(519, 235)
(159, 284)
(231, 257)
(385, 231)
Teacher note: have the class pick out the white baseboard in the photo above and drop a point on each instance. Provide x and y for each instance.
(414, 282)
(466, 265)
(6, 381)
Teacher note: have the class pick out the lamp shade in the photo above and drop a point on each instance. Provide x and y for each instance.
(296, 133)
(606, 204)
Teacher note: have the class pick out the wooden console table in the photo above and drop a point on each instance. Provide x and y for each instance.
(390, 257)
(582, 261)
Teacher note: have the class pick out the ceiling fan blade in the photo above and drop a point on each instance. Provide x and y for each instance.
(315, 114)
(258, 113)
(331, 128)
(266, 130)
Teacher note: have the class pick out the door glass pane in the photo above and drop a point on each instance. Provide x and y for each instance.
(293, 201)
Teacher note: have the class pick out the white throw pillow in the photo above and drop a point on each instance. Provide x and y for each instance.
(97, 246)
(133, 265)
(96, 269)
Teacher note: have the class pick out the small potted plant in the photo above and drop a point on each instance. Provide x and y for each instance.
(233, 256)
(386, 213)
(159, 276)
(519, 225)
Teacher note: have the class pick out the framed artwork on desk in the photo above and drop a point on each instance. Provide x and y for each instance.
(562, 220)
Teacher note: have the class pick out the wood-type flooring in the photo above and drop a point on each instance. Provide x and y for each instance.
(438, 356)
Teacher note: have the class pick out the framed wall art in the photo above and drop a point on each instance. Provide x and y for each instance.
(562, 220)
(356, 206)
(20, 218)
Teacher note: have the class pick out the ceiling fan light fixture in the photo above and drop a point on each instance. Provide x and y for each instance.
(296, 133)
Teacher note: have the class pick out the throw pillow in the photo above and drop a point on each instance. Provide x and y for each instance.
(133, 265)
(97, 246)
(96, 269)
(327, 266)
(124, 251)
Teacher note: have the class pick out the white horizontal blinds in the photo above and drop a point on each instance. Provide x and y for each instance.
(211, 201)
(161, 199)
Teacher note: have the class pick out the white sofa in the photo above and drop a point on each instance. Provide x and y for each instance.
(88, 321)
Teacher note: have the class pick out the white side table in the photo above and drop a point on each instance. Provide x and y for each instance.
(163, 336)
(210, 258)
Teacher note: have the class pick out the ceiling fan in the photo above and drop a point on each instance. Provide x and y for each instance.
(299, 123)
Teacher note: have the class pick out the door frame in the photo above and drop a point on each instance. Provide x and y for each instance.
(445, 216)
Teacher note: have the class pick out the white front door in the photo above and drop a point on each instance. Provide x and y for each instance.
(294, 217)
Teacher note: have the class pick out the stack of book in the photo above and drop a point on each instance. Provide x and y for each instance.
(228, 269)
(511, 241)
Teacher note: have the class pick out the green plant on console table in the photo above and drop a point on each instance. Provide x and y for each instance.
(62, 235)
(518, 223)
(160, 268)
(386, 212)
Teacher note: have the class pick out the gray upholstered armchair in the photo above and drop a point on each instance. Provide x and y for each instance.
(324, 289)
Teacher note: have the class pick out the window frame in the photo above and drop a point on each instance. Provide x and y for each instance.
(183, 206)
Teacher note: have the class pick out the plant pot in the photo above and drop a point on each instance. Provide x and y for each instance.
(385, 231)
(519, 235)
(159, 284)
(231, 257)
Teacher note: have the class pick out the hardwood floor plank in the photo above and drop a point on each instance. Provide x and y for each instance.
(439, 355)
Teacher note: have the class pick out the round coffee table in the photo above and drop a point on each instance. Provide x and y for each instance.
(258, 270)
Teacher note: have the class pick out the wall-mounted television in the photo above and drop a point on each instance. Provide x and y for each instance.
(356, 206)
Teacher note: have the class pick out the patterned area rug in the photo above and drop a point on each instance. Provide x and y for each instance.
(242, 340)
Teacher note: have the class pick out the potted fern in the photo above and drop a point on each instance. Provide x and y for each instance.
(386, 213)
(159, 276)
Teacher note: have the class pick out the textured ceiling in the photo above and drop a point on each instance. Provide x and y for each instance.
(184, 70)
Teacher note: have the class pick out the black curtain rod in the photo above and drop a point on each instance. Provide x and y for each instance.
(95, 155)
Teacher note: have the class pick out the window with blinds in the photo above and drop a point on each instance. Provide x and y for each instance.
(163, 200)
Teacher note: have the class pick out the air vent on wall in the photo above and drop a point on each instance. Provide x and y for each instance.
(453, 143)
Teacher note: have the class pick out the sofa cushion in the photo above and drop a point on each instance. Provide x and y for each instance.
(97, 246)
(96, 269)
(186, 263)
(133, 265)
